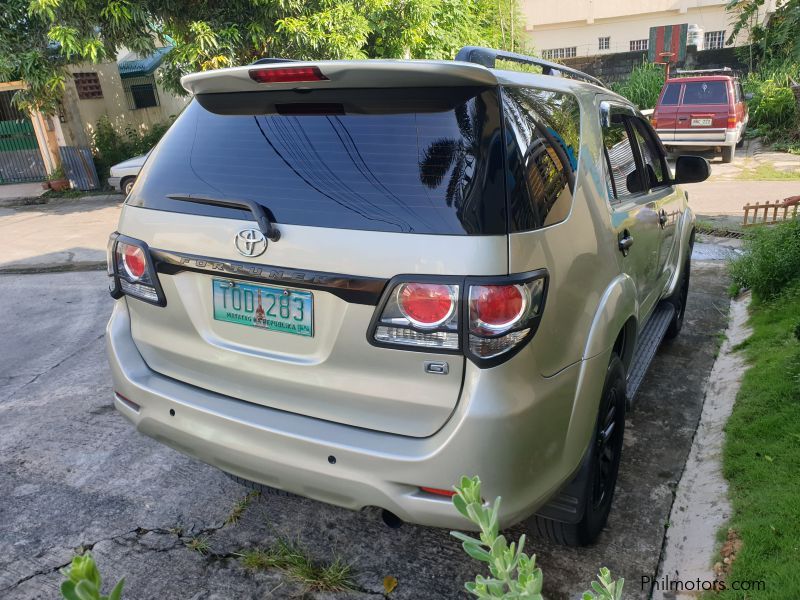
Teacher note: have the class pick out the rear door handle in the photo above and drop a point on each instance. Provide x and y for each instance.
(625, 242)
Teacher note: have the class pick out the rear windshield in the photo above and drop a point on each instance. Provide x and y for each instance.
(705, 92)
(426, 160)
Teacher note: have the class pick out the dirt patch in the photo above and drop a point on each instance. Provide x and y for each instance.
(728, 554)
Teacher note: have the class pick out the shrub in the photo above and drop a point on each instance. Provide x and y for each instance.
(84, 581)
(643, 86)
(770, 261)
(514, 574)
(773, 108)
(112, 147)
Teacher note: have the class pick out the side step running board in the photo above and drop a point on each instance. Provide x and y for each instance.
(646, 347)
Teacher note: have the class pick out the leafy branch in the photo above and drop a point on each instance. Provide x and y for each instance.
(514, 574)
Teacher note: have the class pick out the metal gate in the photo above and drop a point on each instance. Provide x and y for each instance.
(20, 158)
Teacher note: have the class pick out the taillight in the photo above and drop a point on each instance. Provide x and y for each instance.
(488, 319)
(133, 260)
(132, 271)
(731, 122)
(419, 314)
(426, 305)
(496, 307)
(287, 75)
(503, 317)
(653, 120)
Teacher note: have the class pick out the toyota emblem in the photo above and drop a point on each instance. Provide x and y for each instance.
(250, 242)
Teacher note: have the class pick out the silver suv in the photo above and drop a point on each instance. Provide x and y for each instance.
(358, 281)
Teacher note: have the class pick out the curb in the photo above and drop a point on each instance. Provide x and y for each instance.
(89, 265)
(18, 202)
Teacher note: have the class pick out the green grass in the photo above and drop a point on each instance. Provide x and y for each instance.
(239, 508)
(199, 545)
(768, 172)
(761, 457)
(295, 561)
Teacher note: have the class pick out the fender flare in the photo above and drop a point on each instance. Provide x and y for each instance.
(617, 306)
(687, 231)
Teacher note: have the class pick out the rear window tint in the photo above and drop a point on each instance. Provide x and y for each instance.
(705, 92)
(671, 94)
(544, 141)
(425, 160)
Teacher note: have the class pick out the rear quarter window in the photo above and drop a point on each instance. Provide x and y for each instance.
(543, 131)
(671, 94)
(423, 160)
(705, 92)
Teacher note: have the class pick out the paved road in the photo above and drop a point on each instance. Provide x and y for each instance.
(73, 474)
(65, 234)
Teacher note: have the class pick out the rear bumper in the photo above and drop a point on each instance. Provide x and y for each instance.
(682, 138)
(518, 446)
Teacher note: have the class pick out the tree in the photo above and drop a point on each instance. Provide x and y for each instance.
(42, 36)
(775, 39)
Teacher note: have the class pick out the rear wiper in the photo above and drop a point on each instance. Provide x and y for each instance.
(265, 221)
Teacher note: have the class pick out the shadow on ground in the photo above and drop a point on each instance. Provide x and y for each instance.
(73, 474)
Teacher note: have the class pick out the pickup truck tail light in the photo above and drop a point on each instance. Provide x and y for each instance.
(487, 319)
(131, 270)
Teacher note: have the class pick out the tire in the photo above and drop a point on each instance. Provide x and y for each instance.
(126, 185)
(597, 478)
(740, 143)
(727, 154)
(678, 300)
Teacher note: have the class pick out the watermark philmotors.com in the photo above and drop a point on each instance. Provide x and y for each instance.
(671, 584)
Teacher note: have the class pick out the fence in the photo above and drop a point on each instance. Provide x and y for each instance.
(79, 167)
(20, 159)
(773, 212)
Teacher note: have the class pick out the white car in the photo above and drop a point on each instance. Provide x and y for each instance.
(123, 175)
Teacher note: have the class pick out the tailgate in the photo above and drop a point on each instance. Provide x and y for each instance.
(704, 111)
(363, 186)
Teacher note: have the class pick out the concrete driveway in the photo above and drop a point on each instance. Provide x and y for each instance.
(74, 475)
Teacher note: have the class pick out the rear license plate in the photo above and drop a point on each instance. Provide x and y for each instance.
(701, 122)
(265, 307)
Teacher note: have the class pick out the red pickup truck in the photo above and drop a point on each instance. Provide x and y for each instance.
(705, 110)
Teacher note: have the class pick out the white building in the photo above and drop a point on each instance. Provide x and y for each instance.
(567, 28)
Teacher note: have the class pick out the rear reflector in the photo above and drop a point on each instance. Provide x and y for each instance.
(287, 75)
(437, 492)
(129, 403)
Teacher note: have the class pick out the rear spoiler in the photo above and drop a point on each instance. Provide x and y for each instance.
(339, 74)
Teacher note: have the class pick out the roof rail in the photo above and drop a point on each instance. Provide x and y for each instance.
(703, 71)
(488, 57)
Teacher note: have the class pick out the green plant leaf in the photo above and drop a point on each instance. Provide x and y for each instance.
(116, 593)
(477, 552)
(461, 505)
(87, 590)
(68, 590)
